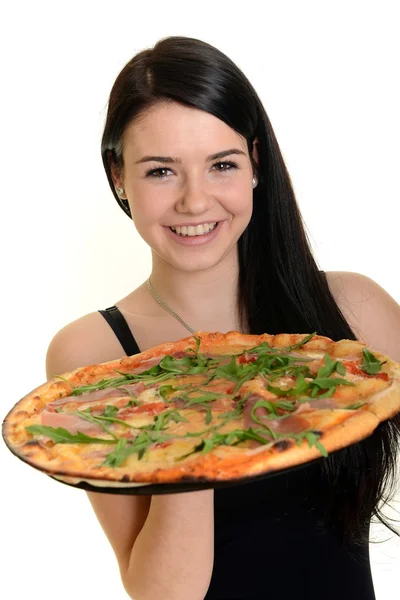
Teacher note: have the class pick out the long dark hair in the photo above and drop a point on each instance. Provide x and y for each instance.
(280, 287)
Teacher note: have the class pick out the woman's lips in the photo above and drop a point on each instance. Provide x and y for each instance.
(195, 240)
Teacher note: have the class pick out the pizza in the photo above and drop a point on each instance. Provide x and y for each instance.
(207, 409)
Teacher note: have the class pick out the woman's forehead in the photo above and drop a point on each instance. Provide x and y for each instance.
(171, 129)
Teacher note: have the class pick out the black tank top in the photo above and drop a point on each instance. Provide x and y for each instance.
(268, 539)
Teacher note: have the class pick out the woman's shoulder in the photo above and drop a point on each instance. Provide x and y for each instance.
(372, 313)
(90, 339)
(84, 341)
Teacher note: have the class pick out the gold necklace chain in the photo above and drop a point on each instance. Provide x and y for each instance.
(166, 307)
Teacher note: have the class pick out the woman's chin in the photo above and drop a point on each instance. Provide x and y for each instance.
(182, 261)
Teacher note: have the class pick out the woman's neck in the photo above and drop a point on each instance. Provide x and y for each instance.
(205, 300)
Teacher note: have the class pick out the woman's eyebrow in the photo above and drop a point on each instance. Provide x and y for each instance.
(170, 159)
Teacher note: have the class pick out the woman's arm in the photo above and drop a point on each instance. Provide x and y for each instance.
(173, 555)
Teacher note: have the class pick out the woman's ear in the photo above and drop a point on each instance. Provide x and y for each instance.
(255, 161)
(116, 172)
(254, 151)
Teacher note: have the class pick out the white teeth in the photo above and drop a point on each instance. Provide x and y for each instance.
(193, 231)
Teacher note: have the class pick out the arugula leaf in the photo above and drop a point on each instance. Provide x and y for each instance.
(197, 400)
(263, 348)
(125, 448)
(133, 402)
(233, 414)
(205, 397)
(59, 435)
(150, 378)
(312, 438)
(116, 456)
(328, 382)
(292, 371)
(354, 406)
(196, 350)
(228, 371)
(371, 364)
(126, 376)
(340, 368)
(316, 392)
(176, 365)
(330, 367)
(161, 420)
(270, 406)
(110, 411)
(189, 365)
(166, 390)
(327, 369)
(301, 343)
(277, 356)
(66, 380)
(246, 377)
(286, 405)
(197, 340)
(122, 450)
(237, 372)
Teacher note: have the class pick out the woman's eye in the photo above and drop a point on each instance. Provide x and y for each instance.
(227, 165)
(157, 173)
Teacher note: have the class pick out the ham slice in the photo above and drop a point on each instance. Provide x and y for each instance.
(133, 388)
(71, 423)
(136, 388)
(145, 365)
(90, 397)
(179, 354)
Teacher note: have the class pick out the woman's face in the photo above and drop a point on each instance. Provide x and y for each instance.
(172, 178)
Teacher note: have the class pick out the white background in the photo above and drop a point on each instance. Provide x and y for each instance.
(327, 73)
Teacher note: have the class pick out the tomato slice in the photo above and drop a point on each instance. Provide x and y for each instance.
(354, 369)
(247, 358)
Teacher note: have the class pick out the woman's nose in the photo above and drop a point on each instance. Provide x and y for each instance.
(194, 199)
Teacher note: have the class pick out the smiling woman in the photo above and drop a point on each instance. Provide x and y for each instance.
(191, 157)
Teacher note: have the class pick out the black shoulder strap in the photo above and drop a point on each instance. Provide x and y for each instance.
(120, 327)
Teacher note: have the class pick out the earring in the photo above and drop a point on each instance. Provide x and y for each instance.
(254, 182)
(120, 191)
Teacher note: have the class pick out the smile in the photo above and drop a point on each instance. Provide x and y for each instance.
(192, 230)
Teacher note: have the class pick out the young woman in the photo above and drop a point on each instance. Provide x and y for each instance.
(191, 157)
